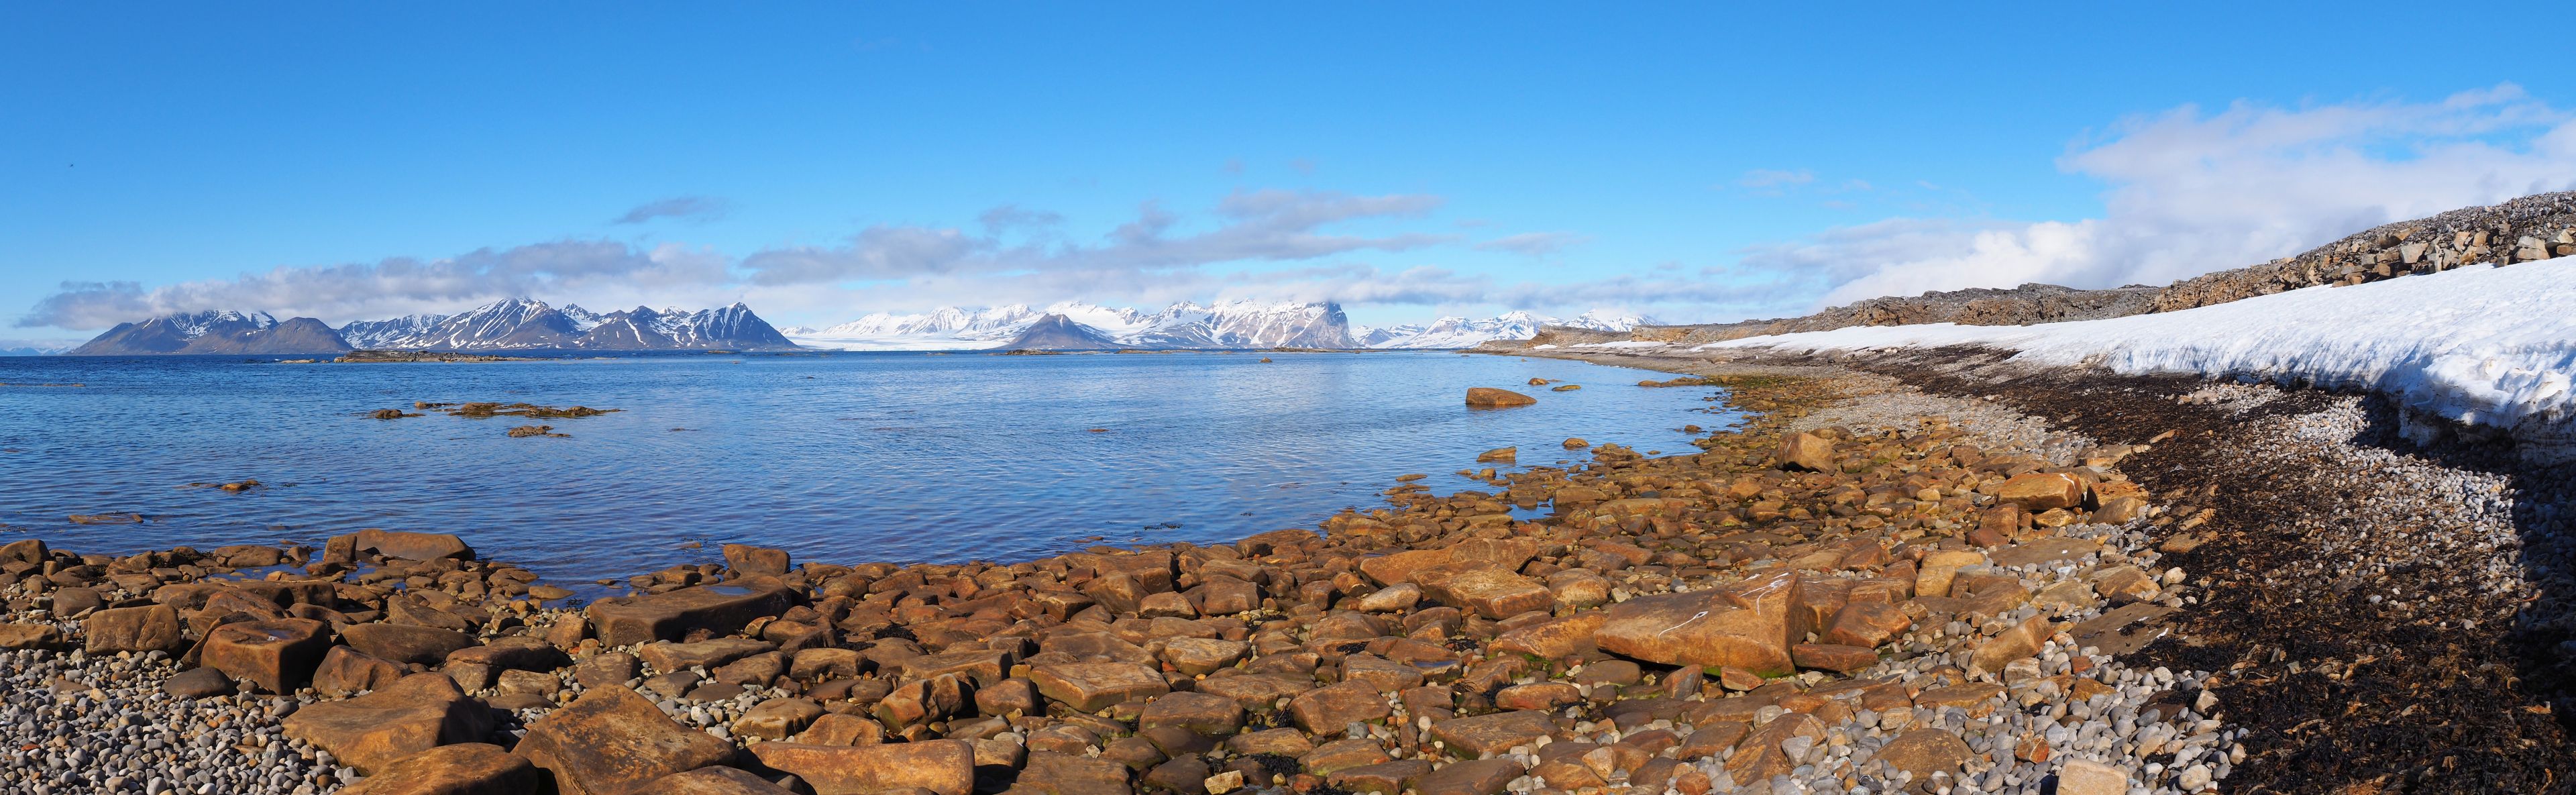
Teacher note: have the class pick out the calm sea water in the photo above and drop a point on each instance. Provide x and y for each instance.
(842, 458)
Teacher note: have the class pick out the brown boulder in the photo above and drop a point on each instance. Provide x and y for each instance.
(150, 628)
(1326, 710)
(344, 672)
(1923, 751)
(396, 544)
(2040, 491)
(2022, 640)
(721, 608)
(612, 741)
(1091, 687)
(279, 655)
(945, 767)
(1064, 774)
(1743, 626)
(1489, 397)
(404, 643)
(1484, 589)
(749, 561)
(666, 656)
(461, 769)
(29, 636)
(1494, 734)
(415, 714)
(1806, 451)
(715, 781)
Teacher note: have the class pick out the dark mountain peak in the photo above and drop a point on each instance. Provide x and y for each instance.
(215, 332)
(1060, 333)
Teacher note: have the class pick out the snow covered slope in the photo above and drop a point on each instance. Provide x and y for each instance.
(1227, 324)
(1459, 332)
(2480, 344)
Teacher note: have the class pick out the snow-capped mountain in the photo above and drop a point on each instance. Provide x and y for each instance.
(215, 331)
(510, 324)
(529, 324)
(1459, 332)
(36, 347)
(1227, 324)
(1236, 324)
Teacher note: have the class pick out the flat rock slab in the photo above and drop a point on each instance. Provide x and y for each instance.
(1494, 734)
(945, 767)
(666, 656)
(461, 769)
(396, 544)
(2124, 629)
(278, 655)
(716, 781)
(722, 608)
(403, 643)
(2045, 551)
(1471, 777)
(138, 629)
(612, 741)
(371, 732)
(1745, 626)
(1091, 687)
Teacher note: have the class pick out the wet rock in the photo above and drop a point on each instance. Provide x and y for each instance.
(719, 609)
(405, 644)
(136, 629)
(1386, 778)
(277, 655)
(415, 714)
(1488, 397)
(945, 767)
(461, 769)
(750, 561)
(1091, 687)
(396, 544)
(612, 741)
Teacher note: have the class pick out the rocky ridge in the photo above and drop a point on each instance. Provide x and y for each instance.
(1874, 603)
(2530, 228)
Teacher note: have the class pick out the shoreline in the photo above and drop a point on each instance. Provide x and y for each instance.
(1038, 671)
(2401, 610)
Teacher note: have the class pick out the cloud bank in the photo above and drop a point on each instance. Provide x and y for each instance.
(2191, 192)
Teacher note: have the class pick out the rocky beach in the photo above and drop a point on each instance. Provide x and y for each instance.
(1906, 574)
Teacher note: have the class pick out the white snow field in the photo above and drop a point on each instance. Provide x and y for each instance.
(2480, 345)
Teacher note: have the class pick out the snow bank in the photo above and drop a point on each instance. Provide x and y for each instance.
(2480, 344)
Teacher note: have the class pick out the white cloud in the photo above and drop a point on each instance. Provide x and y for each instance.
(690, 208)
(2191, 192)
(1534, 244)
(1773, 178)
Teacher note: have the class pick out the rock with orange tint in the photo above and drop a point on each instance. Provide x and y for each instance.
(613, 741)
(278, 655)
(1488, 397)
(1806, 451)
(2040, 491)
(371, 732)
(461, 769)
(945, 767)
(1743, 626)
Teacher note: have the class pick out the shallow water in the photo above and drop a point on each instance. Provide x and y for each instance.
(842, 458)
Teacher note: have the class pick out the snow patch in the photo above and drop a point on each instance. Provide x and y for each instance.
(2480, 345)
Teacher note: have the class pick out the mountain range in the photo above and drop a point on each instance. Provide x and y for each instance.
(1073, 325)
(516, 324)
(523, 324)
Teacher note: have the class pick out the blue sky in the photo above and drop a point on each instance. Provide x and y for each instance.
(819, 162)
